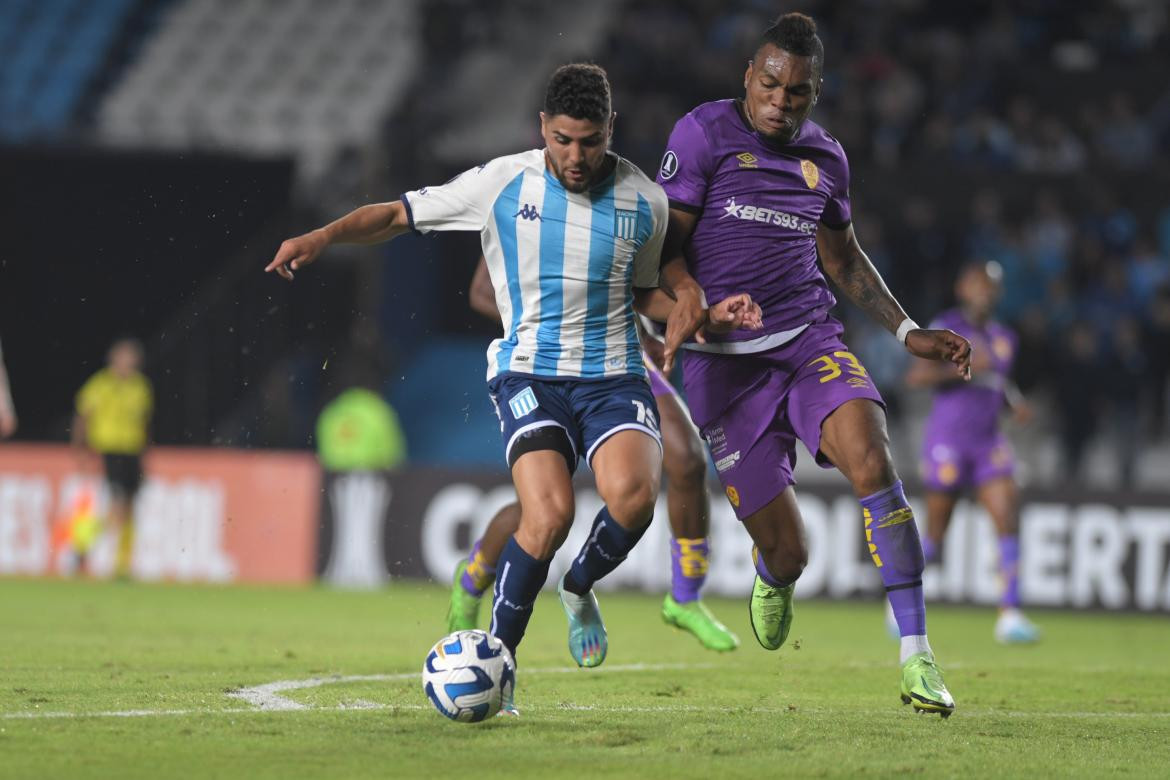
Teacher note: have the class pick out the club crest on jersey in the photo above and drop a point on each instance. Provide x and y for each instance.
(811, 174)
(747, 160)
(625, 224)
(523, 403)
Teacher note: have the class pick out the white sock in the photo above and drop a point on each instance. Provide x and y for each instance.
(912, 645)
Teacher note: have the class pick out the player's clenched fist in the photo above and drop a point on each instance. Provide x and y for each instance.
(941, 345)
(733, 313)
(688, 318)
(297, 252)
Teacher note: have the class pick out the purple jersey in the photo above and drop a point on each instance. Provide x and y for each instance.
(971, 410)
(759, 206)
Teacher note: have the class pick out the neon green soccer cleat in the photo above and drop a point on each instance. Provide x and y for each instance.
(698, 620)
(588, 643)
(923, 686)
(771, 612)
(463, 612)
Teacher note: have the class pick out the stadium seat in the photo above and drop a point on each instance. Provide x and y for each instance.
(220, 74)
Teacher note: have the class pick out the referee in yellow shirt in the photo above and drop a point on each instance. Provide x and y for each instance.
(113, 420)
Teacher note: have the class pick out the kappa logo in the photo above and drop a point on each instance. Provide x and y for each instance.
(523, 403)
(669, 165)
(529, 213)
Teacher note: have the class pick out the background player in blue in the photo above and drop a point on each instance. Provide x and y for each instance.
(759, 198)
(572, 235)
(963, 447)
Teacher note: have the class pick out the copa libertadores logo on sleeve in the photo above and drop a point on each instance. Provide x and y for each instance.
(669, 165)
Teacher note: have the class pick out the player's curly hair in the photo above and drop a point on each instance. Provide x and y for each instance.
(796, 33)
(579, 90)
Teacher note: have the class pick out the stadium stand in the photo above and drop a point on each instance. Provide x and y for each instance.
(270, 77)
(50, 53)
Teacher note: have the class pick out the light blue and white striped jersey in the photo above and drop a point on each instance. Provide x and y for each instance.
(563, 264)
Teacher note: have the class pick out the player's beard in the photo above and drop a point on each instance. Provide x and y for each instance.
(583, 185)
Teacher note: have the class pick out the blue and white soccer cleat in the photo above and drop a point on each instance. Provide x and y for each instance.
(1012, 628)
(588, 642)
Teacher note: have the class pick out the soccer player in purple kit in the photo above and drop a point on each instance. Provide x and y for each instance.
(684, 462)
(757, 191)
(963, 447)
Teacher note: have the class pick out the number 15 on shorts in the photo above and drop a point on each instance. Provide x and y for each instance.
(645, 415)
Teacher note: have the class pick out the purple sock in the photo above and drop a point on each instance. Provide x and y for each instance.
(931, 552)
(1009, 568)
(897, 552)
(478, 576)
(762, 570)
(689, 562)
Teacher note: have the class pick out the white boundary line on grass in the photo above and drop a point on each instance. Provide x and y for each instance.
(267, 698)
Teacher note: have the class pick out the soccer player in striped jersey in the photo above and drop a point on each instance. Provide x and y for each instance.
(573, 237)
(684, 462)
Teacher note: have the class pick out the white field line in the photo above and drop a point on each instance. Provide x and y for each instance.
(266, 698)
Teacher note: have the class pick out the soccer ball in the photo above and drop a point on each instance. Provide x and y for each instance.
(468, 675)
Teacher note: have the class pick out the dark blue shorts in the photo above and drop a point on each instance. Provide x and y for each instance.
(589, 411)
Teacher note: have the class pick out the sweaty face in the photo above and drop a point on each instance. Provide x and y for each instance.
(781, 89)
(575, 149)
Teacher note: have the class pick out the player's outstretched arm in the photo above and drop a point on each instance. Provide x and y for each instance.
(370, 224)
(853, 273)
(7, 408)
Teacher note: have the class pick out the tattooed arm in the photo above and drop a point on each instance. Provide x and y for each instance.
(850, 269)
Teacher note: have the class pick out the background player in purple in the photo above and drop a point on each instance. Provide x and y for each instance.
(963, 447)
(757, 192)
(684, 462)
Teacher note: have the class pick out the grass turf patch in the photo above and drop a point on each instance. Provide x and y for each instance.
(1093, 698)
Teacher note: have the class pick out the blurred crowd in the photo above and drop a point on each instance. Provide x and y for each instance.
(1049, 99)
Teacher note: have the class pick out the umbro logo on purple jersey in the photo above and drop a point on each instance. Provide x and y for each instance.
(529, 213)
(767, 216)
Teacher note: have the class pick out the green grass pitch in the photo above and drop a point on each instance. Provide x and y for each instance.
(117, 680)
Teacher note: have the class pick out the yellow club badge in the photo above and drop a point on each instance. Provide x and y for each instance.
(812, 175)
(733, 496)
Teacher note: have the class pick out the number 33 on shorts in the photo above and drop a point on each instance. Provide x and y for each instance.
(841, 364)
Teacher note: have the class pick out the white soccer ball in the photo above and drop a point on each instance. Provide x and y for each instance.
(468, 675)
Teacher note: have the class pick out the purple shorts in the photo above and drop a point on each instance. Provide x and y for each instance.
(751, 409)
(659, 386)
(950, 463)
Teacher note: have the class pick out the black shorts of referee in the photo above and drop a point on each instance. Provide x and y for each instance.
(123, 473)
